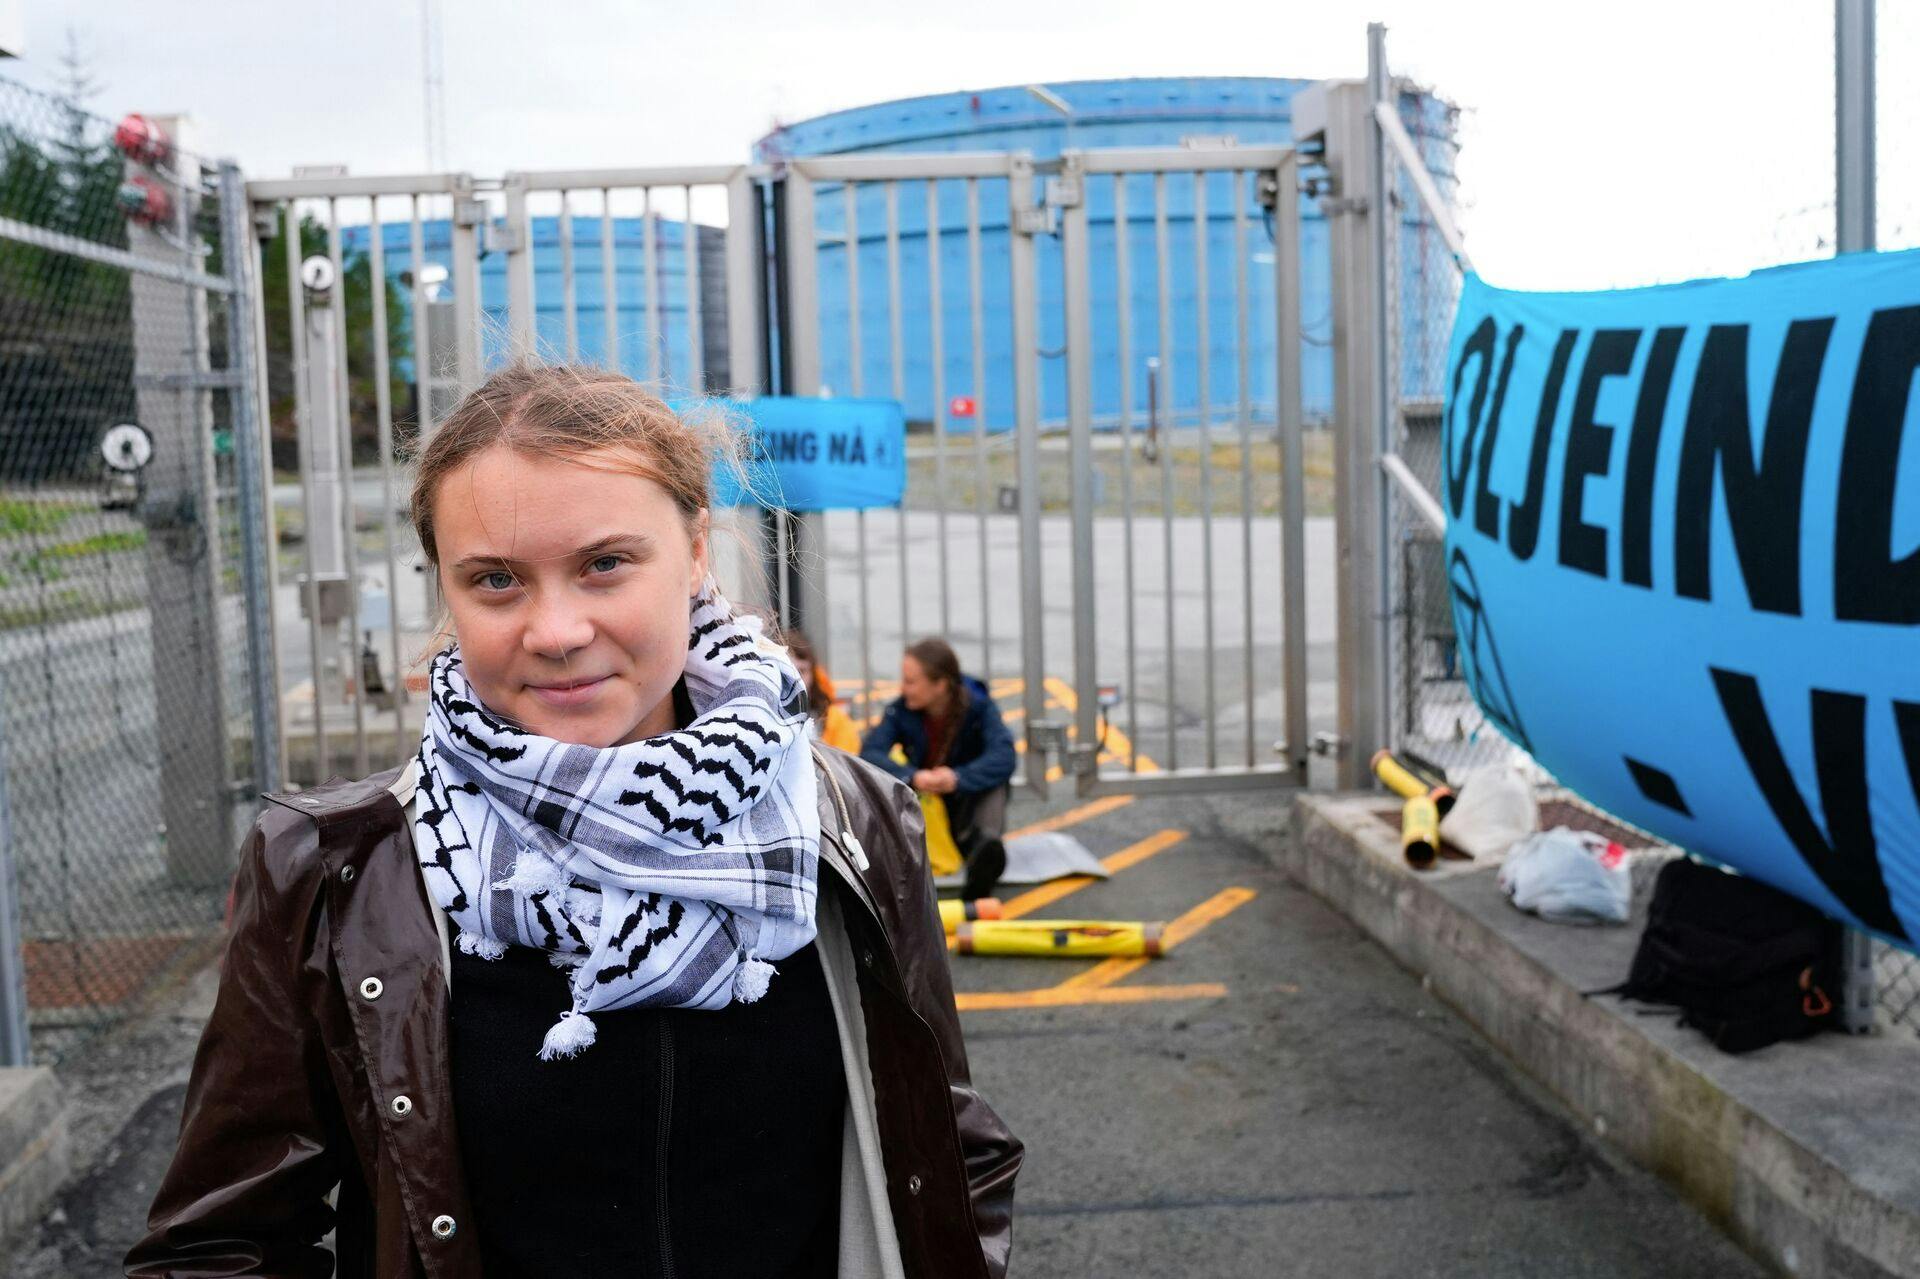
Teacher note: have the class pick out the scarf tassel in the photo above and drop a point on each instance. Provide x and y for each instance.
(481, 947)
(750, 980)
(569, 1037)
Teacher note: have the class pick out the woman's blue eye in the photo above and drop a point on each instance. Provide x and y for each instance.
(498, 580)
(605, 564)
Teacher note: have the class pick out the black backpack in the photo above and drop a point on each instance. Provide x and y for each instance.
(1745, 964)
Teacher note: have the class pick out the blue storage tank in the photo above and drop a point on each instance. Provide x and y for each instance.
(1102, 113)
(671, 246)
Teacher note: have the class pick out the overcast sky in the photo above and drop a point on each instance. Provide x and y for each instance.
(1603, 145)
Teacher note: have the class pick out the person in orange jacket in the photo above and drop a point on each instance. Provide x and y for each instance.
(831, 723)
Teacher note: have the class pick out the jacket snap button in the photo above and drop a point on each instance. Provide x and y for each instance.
(443, 1227)
(371, 988)
(866, 957)
(346, 874)
(403, 1106)
(913, 1184)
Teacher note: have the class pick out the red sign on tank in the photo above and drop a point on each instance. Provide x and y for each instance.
(960, 406)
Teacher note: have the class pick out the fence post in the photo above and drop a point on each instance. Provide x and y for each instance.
(238, 258)
(1351, 208)
(802, 574)
(1853, 180)
(16, 1043)
(173, 398)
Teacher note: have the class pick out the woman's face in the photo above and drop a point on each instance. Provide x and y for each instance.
(569, 582)
(916, 690)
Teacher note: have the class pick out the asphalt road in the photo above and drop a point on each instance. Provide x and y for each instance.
(1311, 1113)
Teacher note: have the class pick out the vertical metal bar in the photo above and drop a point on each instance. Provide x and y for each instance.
(850, 200)
(1385, 411)
(1074, 286)
(350, 534)
(1853, 124)
(936, 307)
(896, 352)
(1026, 394)
(1854, 181)
(745, 297)
(569, 303)
(468, 211)
(383, 426)
(802, 533)
(263, 412)
(609, 286)
(1293, 497)
(1243, 362)
(523, 298)
(304, 428)
(976, 326)
(1160, 387)
(1123, 334)
(1204, 403)
(650, 255)
(16, 1038)
(696, 352)
(423, 370)
(237, 252)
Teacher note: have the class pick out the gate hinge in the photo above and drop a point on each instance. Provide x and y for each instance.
(1083, 760)
(1064, 190)
(1333, 206)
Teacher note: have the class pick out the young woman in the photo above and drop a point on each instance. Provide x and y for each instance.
(620, 975)
(957, 747)
(831, 723)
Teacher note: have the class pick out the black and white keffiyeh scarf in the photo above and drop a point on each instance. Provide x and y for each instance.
(669, 872)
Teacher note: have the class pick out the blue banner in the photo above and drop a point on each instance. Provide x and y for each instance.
(809, 454)
(1684, 546)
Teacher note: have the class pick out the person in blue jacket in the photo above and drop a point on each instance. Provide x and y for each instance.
(957, 747)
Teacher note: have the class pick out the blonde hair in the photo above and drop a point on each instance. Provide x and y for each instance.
(567, 411)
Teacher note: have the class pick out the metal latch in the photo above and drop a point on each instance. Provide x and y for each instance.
(1083, 760)
(1041, 220)
(1047, 735)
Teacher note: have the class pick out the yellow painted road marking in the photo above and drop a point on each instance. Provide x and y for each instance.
(1062, 996)
(1073, 816)
(1210, 911)
(1132, 855)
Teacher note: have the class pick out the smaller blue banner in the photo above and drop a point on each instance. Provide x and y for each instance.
(807, 454)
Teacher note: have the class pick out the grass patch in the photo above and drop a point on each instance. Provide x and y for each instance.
(23, 517)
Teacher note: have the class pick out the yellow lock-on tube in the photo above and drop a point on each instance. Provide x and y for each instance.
(1060, 938)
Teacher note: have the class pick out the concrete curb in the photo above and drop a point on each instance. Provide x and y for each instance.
(34, 1147)
(1807, 1154)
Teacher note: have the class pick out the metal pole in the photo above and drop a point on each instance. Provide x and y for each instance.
(1083, 759)
(256, 547)
(16, 1040)
(1358, 485)
(1026, 396)
(1853, 203)
(806, 542)
(1385, 411)
(1293, 495)
(521, 319)
(1853, 144)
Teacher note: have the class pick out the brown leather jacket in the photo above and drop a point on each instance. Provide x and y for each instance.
(325, 1061)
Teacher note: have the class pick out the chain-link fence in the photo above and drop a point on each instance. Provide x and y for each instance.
(125, 680)
(1432, 709)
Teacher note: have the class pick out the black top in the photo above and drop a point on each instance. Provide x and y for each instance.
(681, 1144)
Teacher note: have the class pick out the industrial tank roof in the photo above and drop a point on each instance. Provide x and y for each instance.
(1253, 108)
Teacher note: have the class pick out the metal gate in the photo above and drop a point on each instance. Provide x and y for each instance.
(1087, 441)
(1063, 467)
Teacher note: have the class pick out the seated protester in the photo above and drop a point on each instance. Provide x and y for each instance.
(956, 747)
(828, 718)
